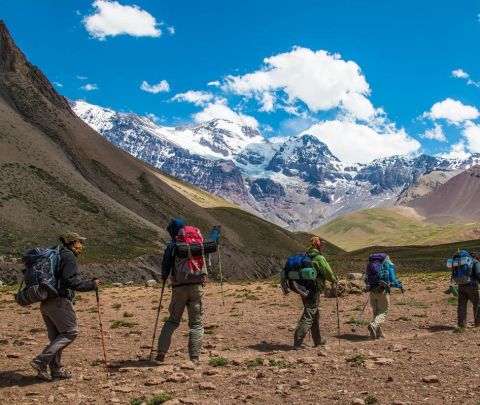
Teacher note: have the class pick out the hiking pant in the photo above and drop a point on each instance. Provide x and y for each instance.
(61, 322)
(466, 293)
(190, 296)
(310, 319)
(380, 302)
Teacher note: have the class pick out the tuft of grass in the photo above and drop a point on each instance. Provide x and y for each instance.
(458, 329)
(451, 301)
(156, 400)
(219, 362)
(360, 322)
(116, 306)
(370, 400)
(281, 363)
(254, 362)
(403, 318)
(121, 324)
(127, 314)
(358, 360)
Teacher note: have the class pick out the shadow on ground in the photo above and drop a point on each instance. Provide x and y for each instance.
(270, 347)
(439, 328)
(352, 337)
(14, 378)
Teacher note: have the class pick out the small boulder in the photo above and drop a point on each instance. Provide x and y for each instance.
(154, 381)
(430, 379)
(207, 386)
(117, 284)
(354, 276)
(150, 283)
(358, 401)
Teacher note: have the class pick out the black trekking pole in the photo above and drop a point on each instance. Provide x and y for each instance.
(359, 317)
(156, 321)
(338, 312)
(105, 362)
(220, 270)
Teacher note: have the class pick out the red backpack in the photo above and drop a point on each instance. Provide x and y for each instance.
(193, 265)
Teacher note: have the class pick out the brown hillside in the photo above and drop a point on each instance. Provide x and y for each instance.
(455, 201)
(58, 173)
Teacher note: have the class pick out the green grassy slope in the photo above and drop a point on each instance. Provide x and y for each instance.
(391, 227)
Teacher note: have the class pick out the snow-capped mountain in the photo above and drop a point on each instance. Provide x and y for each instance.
(297, 183)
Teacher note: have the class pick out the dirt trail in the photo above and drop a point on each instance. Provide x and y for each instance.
(253, 332)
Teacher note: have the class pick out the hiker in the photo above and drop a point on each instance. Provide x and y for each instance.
(379, 277)
(310, 319)
(58, 313)
(188, 275)
(466, 274)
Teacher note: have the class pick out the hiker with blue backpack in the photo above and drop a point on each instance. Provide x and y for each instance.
(51, 277)
(306, 274)
(465, 268)
(379, 278)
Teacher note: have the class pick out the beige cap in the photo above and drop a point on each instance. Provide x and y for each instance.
(70, 237)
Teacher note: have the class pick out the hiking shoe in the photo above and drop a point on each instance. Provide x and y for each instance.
(41, 369)
(380, 334)
(323, 341)
(61, 374)
(373, 332)
(160, 357)
(195, 361)
(301, 346)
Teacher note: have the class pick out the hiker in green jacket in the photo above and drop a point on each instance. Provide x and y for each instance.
(310, 319)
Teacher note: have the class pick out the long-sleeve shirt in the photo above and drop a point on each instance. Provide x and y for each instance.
(324, 271)
(393, 279)
(67, 276)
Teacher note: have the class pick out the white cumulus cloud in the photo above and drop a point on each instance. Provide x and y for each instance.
(453, 111)
(320, 80)
(471, 132)
(214, 83)
(112, 18)
(89, 87)
(352, 142)
(199, 98)
(220, 109)
(457, 151)
(162, 87)
(460, 74)
(435, 133)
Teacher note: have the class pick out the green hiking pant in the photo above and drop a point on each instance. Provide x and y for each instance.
(310, 319)
(189, 296)
(380, 302)
(468, 293)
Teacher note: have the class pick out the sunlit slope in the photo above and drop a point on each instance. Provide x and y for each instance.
(396, 226)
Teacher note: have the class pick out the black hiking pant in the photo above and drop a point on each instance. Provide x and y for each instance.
(468, 293)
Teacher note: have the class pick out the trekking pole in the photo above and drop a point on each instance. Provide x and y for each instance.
(338, 312)
(404, 298)
(105, 362)
(359, 317)
(156, 321)
(221, 274)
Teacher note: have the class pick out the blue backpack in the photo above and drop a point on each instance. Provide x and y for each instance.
(377, 274)
(39, 276)
(296, 263)
(462, 268)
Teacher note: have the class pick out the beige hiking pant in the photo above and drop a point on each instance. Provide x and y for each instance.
(380, 302)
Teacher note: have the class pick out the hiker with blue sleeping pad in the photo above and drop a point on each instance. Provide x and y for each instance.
(51, 276)
(379, 278)
(186, 261)
(305, 274)
(465, 268)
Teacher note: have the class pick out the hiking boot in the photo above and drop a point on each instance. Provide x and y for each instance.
(41, 369)
(160, 357)
(380, 334)
(373, 332)
(61, 374)
(323, 341)
(301, 346)
(195, 361)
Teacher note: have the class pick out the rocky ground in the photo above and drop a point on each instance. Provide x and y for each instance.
(248, 356)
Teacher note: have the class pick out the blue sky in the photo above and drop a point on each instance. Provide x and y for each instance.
(369, 78)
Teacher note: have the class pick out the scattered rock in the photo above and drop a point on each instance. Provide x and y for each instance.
(51, 399)
(117, 284)
(129, 283)
(3, 342)
(389, 378)
(430, 379)
(398, 348)
(154, 381)
(260, 374)
(302, 382)
(13, 355)
(207, 386)
(177, 378)
(172, 402)
(383, 361)
(345, 287)
(355, 276)
(150, 283)
(400, 403)
(358, 401)
(124, 390)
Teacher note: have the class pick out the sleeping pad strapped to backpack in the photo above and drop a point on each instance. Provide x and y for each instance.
(39, 275)
(298, 274)
(462, 266)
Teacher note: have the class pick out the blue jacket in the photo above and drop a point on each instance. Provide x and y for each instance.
(393, 279)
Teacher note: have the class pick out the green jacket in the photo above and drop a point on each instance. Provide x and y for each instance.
(324, 271)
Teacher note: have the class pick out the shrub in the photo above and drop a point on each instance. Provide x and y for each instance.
(219, 362)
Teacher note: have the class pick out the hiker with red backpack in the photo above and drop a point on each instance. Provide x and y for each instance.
(379, 278)
(51, 276)
(305, 274)
(465, 268)
(185, 261)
